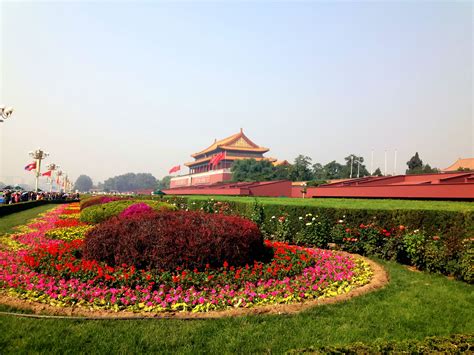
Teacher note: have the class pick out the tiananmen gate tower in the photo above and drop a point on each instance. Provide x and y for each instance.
(231, 149)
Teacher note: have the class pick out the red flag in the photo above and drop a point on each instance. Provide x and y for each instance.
(175, 169)
(48, 173)
(217, 158)
(31, 166)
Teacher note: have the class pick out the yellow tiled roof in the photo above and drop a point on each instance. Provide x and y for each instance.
(467, 163)
(238, 141)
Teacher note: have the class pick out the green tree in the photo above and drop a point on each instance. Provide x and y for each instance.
(377, 172)
(301, 169)
(319, 173)
(164, 183)
(252, 170)
(333, 170)
(130, 182)
(83, 183)
(282, 172)
(415, 165)
(357, 166)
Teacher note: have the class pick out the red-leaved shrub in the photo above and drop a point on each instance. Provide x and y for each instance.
(175, 239)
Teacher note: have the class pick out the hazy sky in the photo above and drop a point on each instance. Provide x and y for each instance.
(114, 87)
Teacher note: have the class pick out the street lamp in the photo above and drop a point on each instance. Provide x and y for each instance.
(51, 167)
(358, 165)
(5, 112)
(38, 155)
(59, 173)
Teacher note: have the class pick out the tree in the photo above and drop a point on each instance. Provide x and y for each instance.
(252, 170)
(333, 170)
(358, 168)
(164, 183)
(130, 182)
(2, 185)
(83, 183)
(282, 172)
(301, 169)
(318, 172)
(415, 165)
(377, 172)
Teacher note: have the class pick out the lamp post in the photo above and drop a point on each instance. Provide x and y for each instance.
(358, 165)
(38, 155)
(59, 173)
(5, 112)
(51, 167)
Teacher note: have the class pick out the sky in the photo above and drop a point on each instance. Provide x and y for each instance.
(110, 87)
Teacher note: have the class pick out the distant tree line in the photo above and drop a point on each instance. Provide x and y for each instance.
(302, 169)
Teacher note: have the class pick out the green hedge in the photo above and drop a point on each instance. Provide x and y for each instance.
(432, 221)
(22, 206)
(98, 213)
(454, 344)
(433, 240)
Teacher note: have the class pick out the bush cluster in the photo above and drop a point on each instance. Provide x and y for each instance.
(98, 200)
(168, 240)
(99, 213)
(427, 239)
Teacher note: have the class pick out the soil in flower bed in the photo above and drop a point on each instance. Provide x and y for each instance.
(50, 271)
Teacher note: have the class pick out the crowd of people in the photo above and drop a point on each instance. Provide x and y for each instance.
(12, 196)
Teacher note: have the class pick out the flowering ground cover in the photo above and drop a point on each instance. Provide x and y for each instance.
(43, 262)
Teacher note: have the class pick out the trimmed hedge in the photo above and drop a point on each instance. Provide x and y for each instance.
(433, 240)
(169, 240)
(22, 206)
(99, 213)
(454, 344)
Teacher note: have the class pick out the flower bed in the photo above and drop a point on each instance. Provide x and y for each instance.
(36, 267)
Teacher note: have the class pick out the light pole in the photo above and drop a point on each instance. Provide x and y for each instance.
(38, 155)
(5, 112)
(358, 165)
(51, 167)
(59, 173)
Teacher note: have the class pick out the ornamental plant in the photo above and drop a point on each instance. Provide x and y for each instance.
(175, 239)
(136, 209)
(98, 200)
(313, 230)
(99, 213)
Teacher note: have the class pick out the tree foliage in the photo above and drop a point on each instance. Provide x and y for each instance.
(358, 168)
(130, 182)
(253, 170)
(416, 166)
(301, 169)
(83, 183)
(163, 183)
(377, 172)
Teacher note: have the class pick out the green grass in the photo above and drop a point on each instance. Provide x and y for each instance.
(8, 222)
(356, 203)
(414, 305)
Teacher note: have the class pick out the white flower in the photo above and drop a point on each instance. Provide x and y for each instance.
(313, 219)
(300, 218)
(340, 221)
(344, 216)
(309, 224)
(273, 217)
(308, 215)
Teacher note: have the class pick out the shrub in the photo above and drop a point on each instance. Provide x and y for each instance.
(170, 240)
(136, 209)
(99, 213)
(98, 200)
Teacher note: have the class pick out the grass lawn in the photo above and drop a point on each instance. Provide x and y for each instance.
(414, 305)
(384, 204)
(15, 219)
